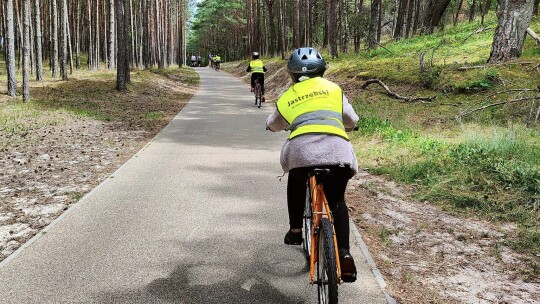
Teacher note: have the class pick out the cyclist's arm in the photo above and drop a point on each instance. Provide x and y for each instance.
(248, 69)
(264, 69)
(350, 118)
(276, 122)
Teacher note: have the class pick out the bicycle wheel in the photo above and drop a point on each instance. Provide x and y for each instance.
(326, 265)
(259, 96)
(308, 217)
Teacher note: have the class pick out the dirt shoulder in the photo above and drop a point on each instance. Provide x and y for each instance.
(72, 136)
(427, 255)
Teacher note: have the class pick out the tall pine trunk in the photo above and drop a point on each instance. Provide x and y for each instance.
(112, 48)
(26, 50)
(37, 31)
(122, 59)
(54, 58)
(10, 42)
(63, 40)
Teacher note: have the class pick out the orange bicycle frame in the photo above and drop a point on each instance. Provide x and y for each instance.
(320, 209)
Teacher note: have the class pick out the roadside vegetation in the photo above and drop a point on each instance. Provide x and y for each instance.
(482, 163)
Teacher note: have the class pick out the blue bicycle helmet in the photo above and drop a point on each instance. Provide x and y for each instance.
(306, 61)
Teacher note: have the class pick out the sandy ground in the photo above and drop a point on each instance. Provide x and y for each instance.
(429, 256)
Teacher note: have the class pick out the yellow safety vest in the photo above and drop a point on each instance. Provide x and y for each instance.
(217, 59)
(257, 66)
(313, 106)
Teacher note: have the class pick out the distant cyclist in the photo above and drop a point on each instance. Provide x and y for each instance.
(257, 69)
(217, 61)
(318, 116)
(199, 59)
(193, 60)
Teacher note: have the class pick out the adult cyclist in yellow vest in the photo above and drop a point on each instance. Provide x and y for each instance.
(257, 69)
(318, 116)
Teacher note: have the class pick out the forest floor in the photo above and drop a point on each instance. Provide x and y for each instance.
(426, 254)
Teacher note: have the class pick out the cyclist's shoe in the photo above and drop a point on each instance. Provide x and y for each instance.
(252, 89)
(293, 238)
(263, 99)
(348, 269)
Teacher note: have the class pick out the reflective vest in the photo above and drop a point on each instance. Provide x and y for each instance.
(217, 59)
(257, 66)
(313, 106)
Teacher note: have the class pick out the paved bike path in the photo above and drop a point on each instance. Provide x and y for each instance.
(197, 216)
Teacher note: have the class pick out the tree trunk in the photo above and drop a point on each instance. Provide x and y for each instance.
(63, 40)
(54, 58)
(458, 10)
(37, 31)
(121, 33)
(282, 45)
(112, 48)
(372, 31)
(485, 9)
(10, 42)
(434, 12)
(78, 36)
(472, 11)
(332, 28)
(535, 9)
(514, 19)
(410, 12)
(26, 51)
(296, 24)
(400, 19)
(272, 25)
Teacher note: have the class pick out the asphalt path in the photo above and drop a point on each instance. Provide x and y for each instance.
(197, 216)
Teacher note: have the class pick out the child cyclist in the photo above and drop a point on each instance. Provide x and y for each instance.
(257, 69)
(318, 115)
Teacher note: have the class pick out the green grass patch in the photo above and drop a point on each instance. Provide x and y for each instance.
(494, 175)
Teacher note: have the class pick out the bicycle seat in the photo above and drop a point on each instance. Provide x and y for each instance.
(319, 174)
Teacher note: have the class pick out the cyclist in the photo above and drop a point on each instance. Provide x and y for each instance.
(318, 116)
(193, 60)
(217, 61)
(199, 59)
(257, 69)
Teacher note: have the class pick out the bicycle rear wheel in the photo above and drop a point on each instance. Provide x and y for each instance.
(308, 222)
(259, 96)
(327, 282)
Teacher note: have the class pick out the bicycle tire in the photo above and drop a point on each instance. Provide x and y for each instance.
(327, 282)
(259, 97)
(308, 222)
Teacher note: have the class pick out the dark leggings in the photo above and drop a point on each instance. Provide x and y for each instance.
(334, 188)
(259, 76)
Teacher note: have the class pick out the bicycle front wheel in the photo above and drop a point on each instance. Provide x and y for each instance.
(327, 281)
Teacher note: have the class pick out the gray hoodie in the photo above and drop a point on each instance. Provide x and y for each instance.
(316, 149)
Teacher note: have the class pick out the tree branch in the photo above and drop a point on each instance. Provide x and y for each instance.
(468, 112)
(393, 94)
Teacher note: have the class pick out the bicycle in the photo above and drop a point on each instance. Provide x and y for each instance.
(216, 65)
(319, 239)
(258, 93)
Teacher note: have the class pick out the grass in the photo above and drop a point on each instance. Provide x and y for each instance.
(87, 94)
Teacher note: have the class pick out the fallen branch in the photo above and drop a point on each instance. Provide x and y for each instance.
(533, 35)
(480, 30)
(465, 68)
(393, 94)
(468, 112)
(514, 90)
